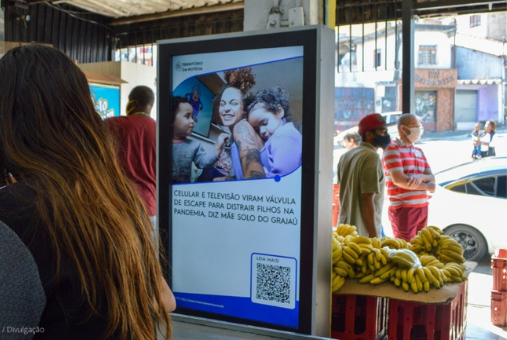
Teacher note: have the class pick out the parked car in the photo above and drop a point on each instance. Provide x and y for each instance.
(390, 117)
(469, 204)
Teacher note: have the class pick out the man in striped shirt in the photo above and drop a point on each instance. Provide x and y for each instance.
(408, 179)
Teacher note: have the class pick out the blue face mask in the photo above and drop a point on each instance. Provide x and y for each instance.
(382, 141)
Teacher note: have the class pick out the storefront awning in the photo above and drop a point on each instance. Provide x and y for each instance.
(479, 81)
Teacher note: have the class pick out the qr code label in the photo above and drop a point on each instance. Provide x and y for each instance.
(274, 280)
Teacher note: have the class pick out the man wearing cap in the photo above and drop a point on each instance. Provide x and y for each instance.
(408, 179)
(361, 178)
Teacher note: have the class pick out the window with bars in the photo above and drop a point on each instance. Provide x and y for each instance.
(475, 21)
(377, 58)
(427, 54)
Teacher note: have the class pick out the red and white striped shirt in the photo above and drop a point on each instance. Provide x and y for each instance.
(410, 160)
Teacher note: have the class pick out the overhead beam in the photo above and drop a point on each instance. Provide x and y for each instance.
(178, 13)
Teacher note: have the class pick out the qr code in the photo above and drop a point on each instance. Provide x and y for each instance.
(273, 283)
(274, 280)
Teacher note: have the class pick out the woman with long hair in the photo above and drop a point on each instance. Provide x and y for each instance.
(77, 260)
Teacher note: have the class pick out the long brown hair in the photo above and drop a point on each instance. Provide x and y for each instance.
(51, 135)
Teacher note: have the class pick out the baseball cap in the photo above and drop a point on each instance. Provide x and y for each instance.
(372, 121)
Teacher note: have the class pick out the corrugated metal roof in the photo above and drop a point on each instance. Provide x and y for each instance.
(129, 8)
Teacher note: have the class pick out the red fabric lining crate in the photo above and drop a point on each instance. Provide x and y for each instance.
(418, 321)
(499, 308)
(355, 317)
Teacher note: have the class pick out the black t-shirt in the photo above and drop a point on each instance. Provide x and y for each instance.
(32, 299)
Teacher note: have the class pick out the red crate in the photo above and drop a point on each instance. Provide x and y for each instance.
(500, 279)
(418, 321)
(499, 308)
(498, 262)
(357, 317)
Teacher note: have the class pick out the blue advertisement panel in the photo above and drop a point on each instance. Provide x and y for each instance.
(106, 100)
(242, 236)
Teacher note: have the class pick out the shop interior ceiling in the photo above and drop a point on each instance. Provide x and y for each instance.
(353, 11)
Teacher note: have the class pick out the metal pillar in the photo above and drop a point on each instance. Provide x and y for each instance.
(408, 57)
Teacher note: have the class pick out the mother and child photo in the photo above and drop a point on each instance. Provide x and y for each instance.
(256, 136)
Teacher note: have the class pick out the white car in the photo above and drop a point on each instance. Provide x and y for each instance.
(470, 204)
(390, 117)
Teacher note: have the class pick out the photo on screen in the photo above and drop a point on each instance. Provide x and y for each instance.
(274, 90)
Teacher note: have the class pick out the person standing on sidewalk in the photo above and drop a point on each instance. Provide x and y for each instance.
(408, 179)
(487, 143)
(361, 178)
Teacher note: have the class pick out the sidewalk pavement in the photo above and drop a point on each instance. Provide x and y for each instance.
(455, 135)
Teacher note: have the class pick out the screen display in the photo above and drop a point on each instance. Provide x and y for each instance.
(236, 235)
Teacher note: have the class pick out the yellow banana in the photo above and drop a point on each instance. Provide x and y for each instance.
(410, 274)
(431, 278)
(436, 229)
(388, 273)
(384, 269)
(365, 248)
(421, 274)
(378, 280)
(429, 236)
(418, 282)
(355, 247)
(361, 239)
(427, 243)
(351, 252)
(338, 284)
(404, 275)
(454, 247)
(340, 271)
(367, 278)
(413, 286)
(452, 254)
(347, 267)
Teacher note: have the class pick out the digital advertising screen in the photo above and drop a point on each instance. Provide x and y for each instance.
(236, 238)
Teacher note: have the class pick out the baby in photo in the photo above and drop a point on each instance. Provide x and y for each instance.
(185, 150)
(270, 115)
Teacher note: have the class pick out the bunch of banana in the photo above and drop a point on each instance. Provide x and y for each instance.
(344, 269)
(346, 229)
(448, 250)
(435, 276)
(337, 282)
(337, 250)
(356, 248)
(338, 274)
(404, 258)
(413, 278)
(377, 259)
(394, 243)
(426, 239)
(454, 272)
(430, 260)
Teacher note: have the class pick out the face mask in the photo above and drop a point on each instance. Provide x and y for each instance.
(415, 134)
(382, 141)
